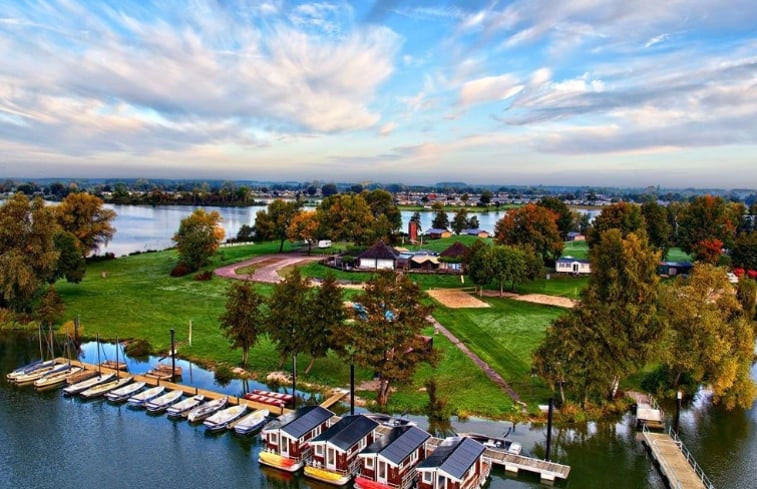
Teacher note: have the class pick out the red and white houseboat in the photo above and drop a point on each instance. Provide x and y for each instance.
(335, 451)
(286, 440)
(390, 462)
(457, 463)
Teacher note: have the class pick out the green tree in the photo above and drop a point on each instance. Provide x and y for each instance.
(288, 317)
(623, 216)
(51, 307)
(658, 226)
(346, 217)
(243, 319)
(441, 220)
(382, 203)
(460, 221)
(485, 198)
(479, 265)
(508, 265)
(199, 236)
(326, 312)
(564, 221)
(707, 218)
(532, 226)
(744, 253)
(328, 190)
(473, 222)
(71, 263)
(746, 291)
(84, 216)
(273, 223)
(28, 257)
(245, 233)
(709, 338)
(386, 337)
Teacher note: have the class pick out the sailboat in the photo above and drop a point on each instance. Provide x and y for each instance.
(55, 379)
(30, 372)
(104, 388)
(181, 408)
(123, 393)
(160, 404)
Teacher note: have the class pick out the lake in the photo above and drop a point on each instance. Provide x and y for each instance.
(48, 441)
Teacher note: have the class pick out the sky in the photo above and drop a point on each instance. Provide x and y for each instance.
(579, 92)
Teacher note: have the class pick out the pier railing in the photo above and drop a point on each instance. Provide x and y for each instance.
(689, 458)
(669, 471)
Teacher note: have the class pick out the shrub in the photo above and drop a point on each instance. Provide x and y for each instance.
(180, 270)
(223, 375)
(138, 348)
(203, 276)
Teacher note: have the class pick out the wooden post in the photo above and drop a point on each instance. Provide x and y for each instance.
(118, 370)
(549, 429)
(173, 357)
(352, 389)
(190, 332)
(99, 366)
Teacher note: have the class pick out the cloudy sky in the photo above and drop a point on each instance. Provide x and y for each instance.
(598, 92)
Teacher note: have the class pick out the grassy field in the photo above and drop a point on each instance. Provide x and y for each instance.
(504, 336)
(439, 245)
(560, 285)
(576, 249)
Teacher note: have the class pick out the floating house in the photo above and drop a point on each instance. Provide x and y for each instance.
(568, 264)
(390, 462)
(380, 256)
(286, 440)
(335, 451)
(457, 463)
(674, 268)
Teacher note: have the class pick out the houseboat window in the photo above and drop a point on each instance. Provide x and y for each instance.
(382, 470)
(428, 477)
(319, 450)
(414, 457)
(317, 431)
(368, 462)
(441, 482)
(273, 439)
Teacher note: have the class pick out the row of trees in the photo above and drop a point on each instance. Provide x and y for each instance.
(383, 336)
(40, 244)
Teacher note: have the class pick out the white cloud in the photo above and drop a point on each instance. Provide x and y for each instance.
(489, 88)
(387, 128)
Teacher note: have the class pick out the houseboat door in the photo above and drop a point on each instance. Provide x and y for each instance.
(284, 446)
(575, 268)
(381, 471)
(330, 458)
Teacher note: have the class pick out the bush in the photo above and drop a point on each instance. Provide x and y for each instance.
(203, 276)
(138, 348)
(180, 270)
(99, 258)
(223, 375)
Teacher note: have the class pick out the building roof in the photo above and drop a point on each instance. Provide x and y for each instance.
(420, 259)
(454, 456)
(380, 251)
(677, 264)
(301, 421)
(399, 443)
(436, 231)
(475, 231)
(348, 431)
(570, 259)
(456, 250)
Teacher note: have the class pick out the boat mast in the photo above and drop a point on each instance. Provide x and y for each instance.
(118, 367)
(41, 353)
(99, 367)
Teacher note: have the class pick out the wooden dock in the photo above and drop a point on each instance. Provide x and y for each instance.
(675, 462)
(648, 412)
(333, 400)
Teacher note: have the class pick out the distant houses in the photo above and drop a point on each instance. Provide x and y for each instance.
(575, 266)
(457, 463)
(438, 233)
(380, 256)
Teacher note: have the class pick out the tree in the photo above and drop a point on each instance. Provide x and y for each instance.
(709, 338)
(346, 217)
(744, 253)
(564, 214)
(328, 190)
(485, 198)
(326, 311)
(199, 236)
(706, 218)
(51, 307)
(464, 198)
(273, 223)
(441, 220)
(71, 263)
(245, 233)
(479, 264)
(473, 222)
(508, 264)
(460, 221)
(533, 226)
(382, 203)
(416, 218)
(288, 317)
(304, 226)
(623, 216)
(28, 257)
(83, 215)
(386, 337)
(746, 292)
(243, 320)
(658, 226)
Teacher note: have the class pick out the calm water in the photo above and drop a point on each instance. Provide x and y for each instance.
(47, 440)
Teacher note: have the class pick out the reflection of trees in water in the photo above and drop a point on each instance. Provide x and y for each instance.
(273, 478)
(441, 428)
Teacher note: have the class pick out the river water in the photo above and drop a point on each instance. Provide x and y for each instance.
(48, 441)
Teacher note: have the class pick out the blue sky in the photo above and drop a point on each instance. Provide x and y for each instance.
(523, 92)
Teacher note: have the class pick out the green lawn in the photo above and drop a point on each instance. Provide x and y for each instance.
(504, 336)
(558, 285)
(439, 245)
(677, 254)
(576, 249)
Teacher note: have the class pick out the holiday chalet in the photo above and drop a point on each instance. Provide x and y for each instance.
(390, 462)
(455, 464)
(286, 440)
(335, 451)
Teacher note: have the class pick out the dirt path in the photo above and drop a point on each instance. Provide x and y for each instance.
(268, 271)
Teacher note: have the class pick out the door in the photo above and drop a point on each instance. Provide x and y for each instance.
(381, 471)
(575, 268)
(284, 446)
(330, 458)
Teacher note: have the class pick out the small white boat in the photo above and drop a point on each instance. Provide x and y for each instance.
(206, 410)
(183, 407)
(140, 399)
(29, 368)
(55, 379)
(84, 385)
(221, 419)
(496, 443)
(125, 392)
(29, 378)
(251, 422)
(161, 403)
(104, 388)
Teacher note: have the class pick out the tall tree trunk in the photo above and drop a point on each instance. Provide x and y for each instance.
(281, 245)
(310, 365)
(245, 356)
(383, 392)
(501, 289)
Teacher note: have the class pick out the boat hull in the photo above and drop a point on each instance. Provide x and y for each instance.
(279, 462)
(363, 483)
(327, 476)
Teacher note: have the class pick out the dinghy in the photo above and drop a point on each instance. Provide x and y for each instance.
(122, 394)
(251, 422)
(204, 411)
(104, 388)
(221, 419)
(86, 384)
(140, 399)
(29, 378)
(181, 408)
(81, 376)
(55, 379)
(29, 368)
(160, 404)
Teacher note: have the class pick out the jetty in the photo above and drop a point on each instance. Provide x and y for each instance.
(675, 461)
(648, 412)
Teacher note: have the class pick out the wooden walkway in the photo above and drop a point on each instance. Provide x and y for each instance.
(675, 462)
(648, 412)
(333, 400)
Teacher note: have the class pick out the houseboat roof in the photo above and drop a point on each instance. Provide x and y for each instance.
(457, 250)
(454, 456)
(301, 421)
(348, 431)
(380, 251)
(399, 443)
(570, 259)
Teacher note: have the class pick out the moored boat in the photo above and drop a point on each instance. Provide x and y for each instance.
(181, 408)
(286, 440)
(494, 442)
(200, 413)
(163, 372)
(81, 376)
(125, 392)
(139, 400)
(56, 379)
(221, 419)
(161, 403)
(104, 388)
(29, 378)
(86, 384)
(251, 422)
(29, 368)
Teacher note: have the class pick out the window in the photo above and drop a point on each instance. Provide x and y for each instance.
(317, 431)
(273, 439)
(369, 462)
(427, 477)
(414, 457)
(319, 450)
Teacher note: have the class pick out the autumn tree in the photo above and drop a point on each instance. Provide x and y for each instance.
(28, 257)
(273, 222)
(84, 216)
(288, 317)
(386, 337)
(460, 221)
(623, 216)
(243, 319)
(746, 292)
(304, 226)
(705, 220)
(346, 217)
(658, 226)
(325, 307)
(533, 226)
(199, 236)
(709, 338)
(564, 215)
